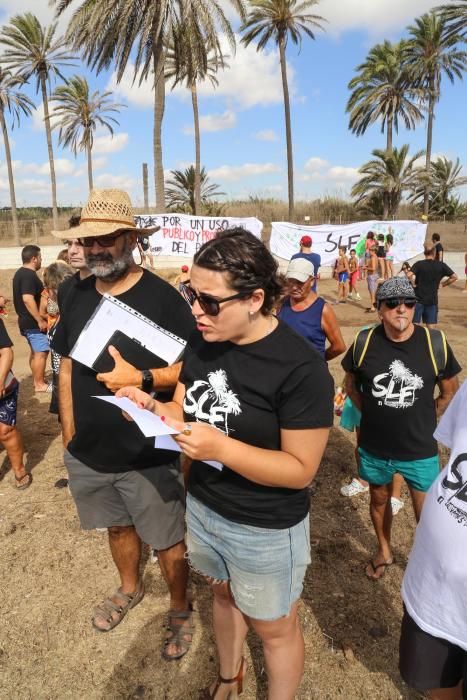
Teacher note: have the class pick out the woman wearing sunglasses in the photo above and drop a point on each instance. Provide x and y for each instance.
(257, 398)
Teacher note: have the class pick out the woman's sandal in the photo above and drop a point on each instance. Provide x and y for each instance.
(18, 479)
(112, 613)
(178, 633)
(206, 693)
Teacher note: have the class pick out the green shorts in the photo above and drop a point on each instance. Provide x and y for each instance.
(418, 473)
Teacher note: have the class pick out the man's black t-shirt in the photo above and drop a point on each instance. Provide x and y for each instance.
(65, 287)
(428, 275)
(397, 382)
(5, 341)
(26, 281)
(250, 392)
(104, 440)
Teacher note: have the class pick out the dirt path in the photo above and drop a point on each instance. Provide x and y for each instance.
(53, 574)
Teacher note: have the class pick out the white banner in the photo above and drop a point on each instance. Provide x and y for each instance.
(184, 234)
(409, 237)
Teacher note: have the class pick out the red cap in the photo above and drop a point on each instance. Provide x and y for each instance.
(184, 268)
(306, 241)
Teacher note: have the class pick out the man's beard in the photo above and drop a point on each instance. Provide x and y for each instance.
(107, 268)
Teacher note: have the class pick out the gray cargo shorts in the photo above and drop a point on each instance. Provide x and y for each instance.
(151, 499)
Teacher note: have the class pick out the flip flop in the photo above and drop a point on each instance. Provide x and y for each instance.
(28, 483)
(384, 565)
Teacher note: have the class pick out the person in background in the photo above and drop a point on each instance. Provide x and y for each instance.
(10, 435)
(342, 274)
(306, 252)
(54, 275)
(372, 277)
(426, 276)
(389, 270)
(76, 260)
(353, 270)
(27, 290)
(433, 641)
(405, 270)
(63, 256)
(381, 255)
(465, 272)
(307, 313)
(437, 247)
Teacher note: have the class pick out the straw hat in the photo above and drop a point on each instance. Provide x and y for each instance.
(105, 212)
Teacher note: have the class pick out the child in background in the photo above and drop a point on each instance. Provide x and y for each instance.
(404, 271)
(3, 302)
(389, 256)
(372, 278)
(342, 273)
(353, 269)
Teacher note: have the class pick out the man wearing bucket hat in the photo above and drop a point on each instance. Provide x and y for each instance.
(116, 478)
(392, 370)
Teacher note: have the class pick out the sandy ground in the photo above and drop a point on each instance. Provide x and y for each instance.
(52, 574)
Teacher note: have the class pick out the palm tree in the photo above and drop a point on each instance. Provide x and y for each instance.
(181, 190)
(111, 32)
(17, 103)
(432, 53)
(445, 177)
(279, 21)
(80, 114)
(33, 51)
(455, 17)
(383, 91)
(191, 60)
(386, 178)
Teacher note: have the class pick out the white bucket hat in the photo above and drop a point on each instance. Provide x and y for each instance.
(105, 212)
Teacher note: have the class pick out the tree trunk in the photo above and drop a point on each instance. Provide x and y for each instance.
(48, 133)
(385, 206)
(288, 128)
(159, 105)
(429, 144)
(389, 135)
(89, 154)
(194, 101)
(11, 182)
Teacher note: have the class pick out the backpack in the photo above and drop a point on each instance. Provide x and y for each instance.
(436, 341)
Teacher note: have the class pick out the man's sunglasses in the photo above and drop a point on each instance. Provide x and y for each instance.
(210, 305)
(394, 303)
(102, 241)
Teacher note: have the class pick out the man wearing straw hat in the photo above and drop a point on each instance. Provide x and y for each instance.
(117, 479)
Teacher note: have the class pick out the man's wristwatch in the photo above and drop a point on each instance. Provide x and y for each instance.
(147, 381)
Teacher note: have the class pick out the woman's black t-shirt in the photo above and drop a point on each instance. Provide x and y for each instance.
(250, 392)
(397, 386)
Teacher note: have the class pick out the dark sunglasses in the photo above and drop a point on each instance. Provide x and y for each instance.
(102, 241)
(210, 305)
(394, 303)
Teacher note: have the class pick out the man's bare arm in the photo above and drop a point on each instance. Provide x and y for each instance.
(125, 374)
(65, 402)
(350, 386)
(30, 304)
(447, 389)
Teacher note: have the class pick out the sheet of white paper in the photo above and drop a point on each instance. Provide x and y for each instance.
(151, 426)
(166, 442)
(112, 315)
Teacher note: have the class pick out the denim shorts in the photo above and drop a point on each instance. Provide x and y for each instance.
(265, 568)
(425, 314)
(37, 340)
(418, 473)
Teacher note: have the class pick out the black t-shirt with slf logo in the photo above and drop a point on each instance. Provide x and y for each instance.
(250, 392)
(397, 383)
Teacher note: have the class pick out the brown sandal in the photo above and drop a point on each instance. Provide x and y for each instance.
(177, 633)
(113, 613)
(19, 486)
(207, 695)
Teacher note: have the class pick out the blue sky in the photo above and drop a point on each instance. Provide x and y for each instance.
(243, 143)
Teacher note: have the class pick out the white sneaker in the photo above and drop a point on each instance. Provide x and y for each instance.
(153, 556)
(349, 295)
(396, 505)
(353, 489)
(358, 297)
